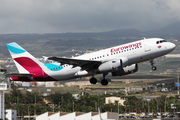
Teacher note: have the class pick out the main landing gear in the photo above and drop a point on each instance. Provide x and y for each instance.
(152, 64)
(93, 80)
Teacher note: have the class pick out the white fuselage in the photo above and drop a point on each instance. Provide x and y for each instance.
(135, 52)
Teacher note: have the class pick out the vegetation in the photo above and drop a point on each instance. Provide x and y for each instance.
(34, 104)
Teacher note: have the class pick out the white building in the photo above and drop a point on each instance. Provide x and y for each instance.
(114, 99)
(11, 114)
(77, 116)
(56, 116)
(4, 86)
(70, 116)
(83, 116)
(44, 116)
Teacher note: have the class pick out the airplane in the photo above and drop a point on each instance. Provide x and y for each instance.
(118, 60)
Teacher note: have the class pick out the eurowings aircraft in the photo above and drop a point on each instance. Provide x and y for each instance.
(118, 60)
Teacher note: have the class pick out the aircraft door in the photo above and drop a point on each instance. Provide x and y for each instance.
(146, 46)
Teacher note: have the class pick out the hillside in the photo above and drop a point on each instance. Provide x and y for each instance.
(68, 44)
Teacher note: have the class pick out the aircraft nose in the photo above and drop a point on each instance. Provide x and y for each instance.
(172, 46)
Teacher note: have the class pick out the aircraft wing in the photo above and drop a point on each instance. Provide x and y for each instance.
(84, 64)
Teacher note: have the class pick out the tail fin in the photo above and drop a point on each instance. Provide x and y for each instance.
(24, 61)
(27, 64)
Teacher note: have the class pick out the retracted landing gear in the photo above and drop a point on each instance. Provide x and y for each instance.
(152, 64)
(104, 81)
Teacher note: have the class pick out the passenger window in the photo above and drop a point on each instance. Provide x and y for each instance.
(107, 54)
(116, 52)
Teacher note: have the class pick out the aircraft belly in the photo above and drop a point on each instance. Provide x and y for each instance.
(64, 74)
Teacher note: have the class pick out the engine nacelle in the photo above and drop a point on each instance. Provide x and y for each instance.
(113, 65)
(126, 70)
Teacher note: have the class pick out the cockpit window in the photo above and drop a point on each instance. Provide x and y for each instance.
(161, 41)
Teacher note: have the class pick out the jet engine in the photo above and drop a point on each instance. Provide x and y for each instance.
(126, 70)
(113, 65)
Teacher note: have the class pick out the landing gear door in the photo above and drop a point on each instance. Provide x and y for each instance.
(146, 46)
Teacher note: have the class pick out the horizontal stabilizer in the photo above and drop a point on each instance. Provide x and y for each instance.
(18, 75)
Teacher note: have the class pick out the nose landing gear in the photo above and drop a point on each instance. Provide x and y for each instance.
(152, 64)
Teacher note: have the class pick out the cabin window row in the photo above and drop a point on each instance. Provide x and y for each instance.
(125, 50)
(115, 53)
(98, 57)
(59, 67)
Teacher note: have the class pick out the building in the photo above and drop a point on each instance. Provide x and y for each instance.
(4, 86)
(77, 116)
(136, 89)
(114, 99)
(11, 114)
(44, 116)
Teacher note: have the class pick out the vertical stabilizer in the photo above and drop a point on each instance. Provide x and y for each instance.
(27, 64)
(23, 60)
